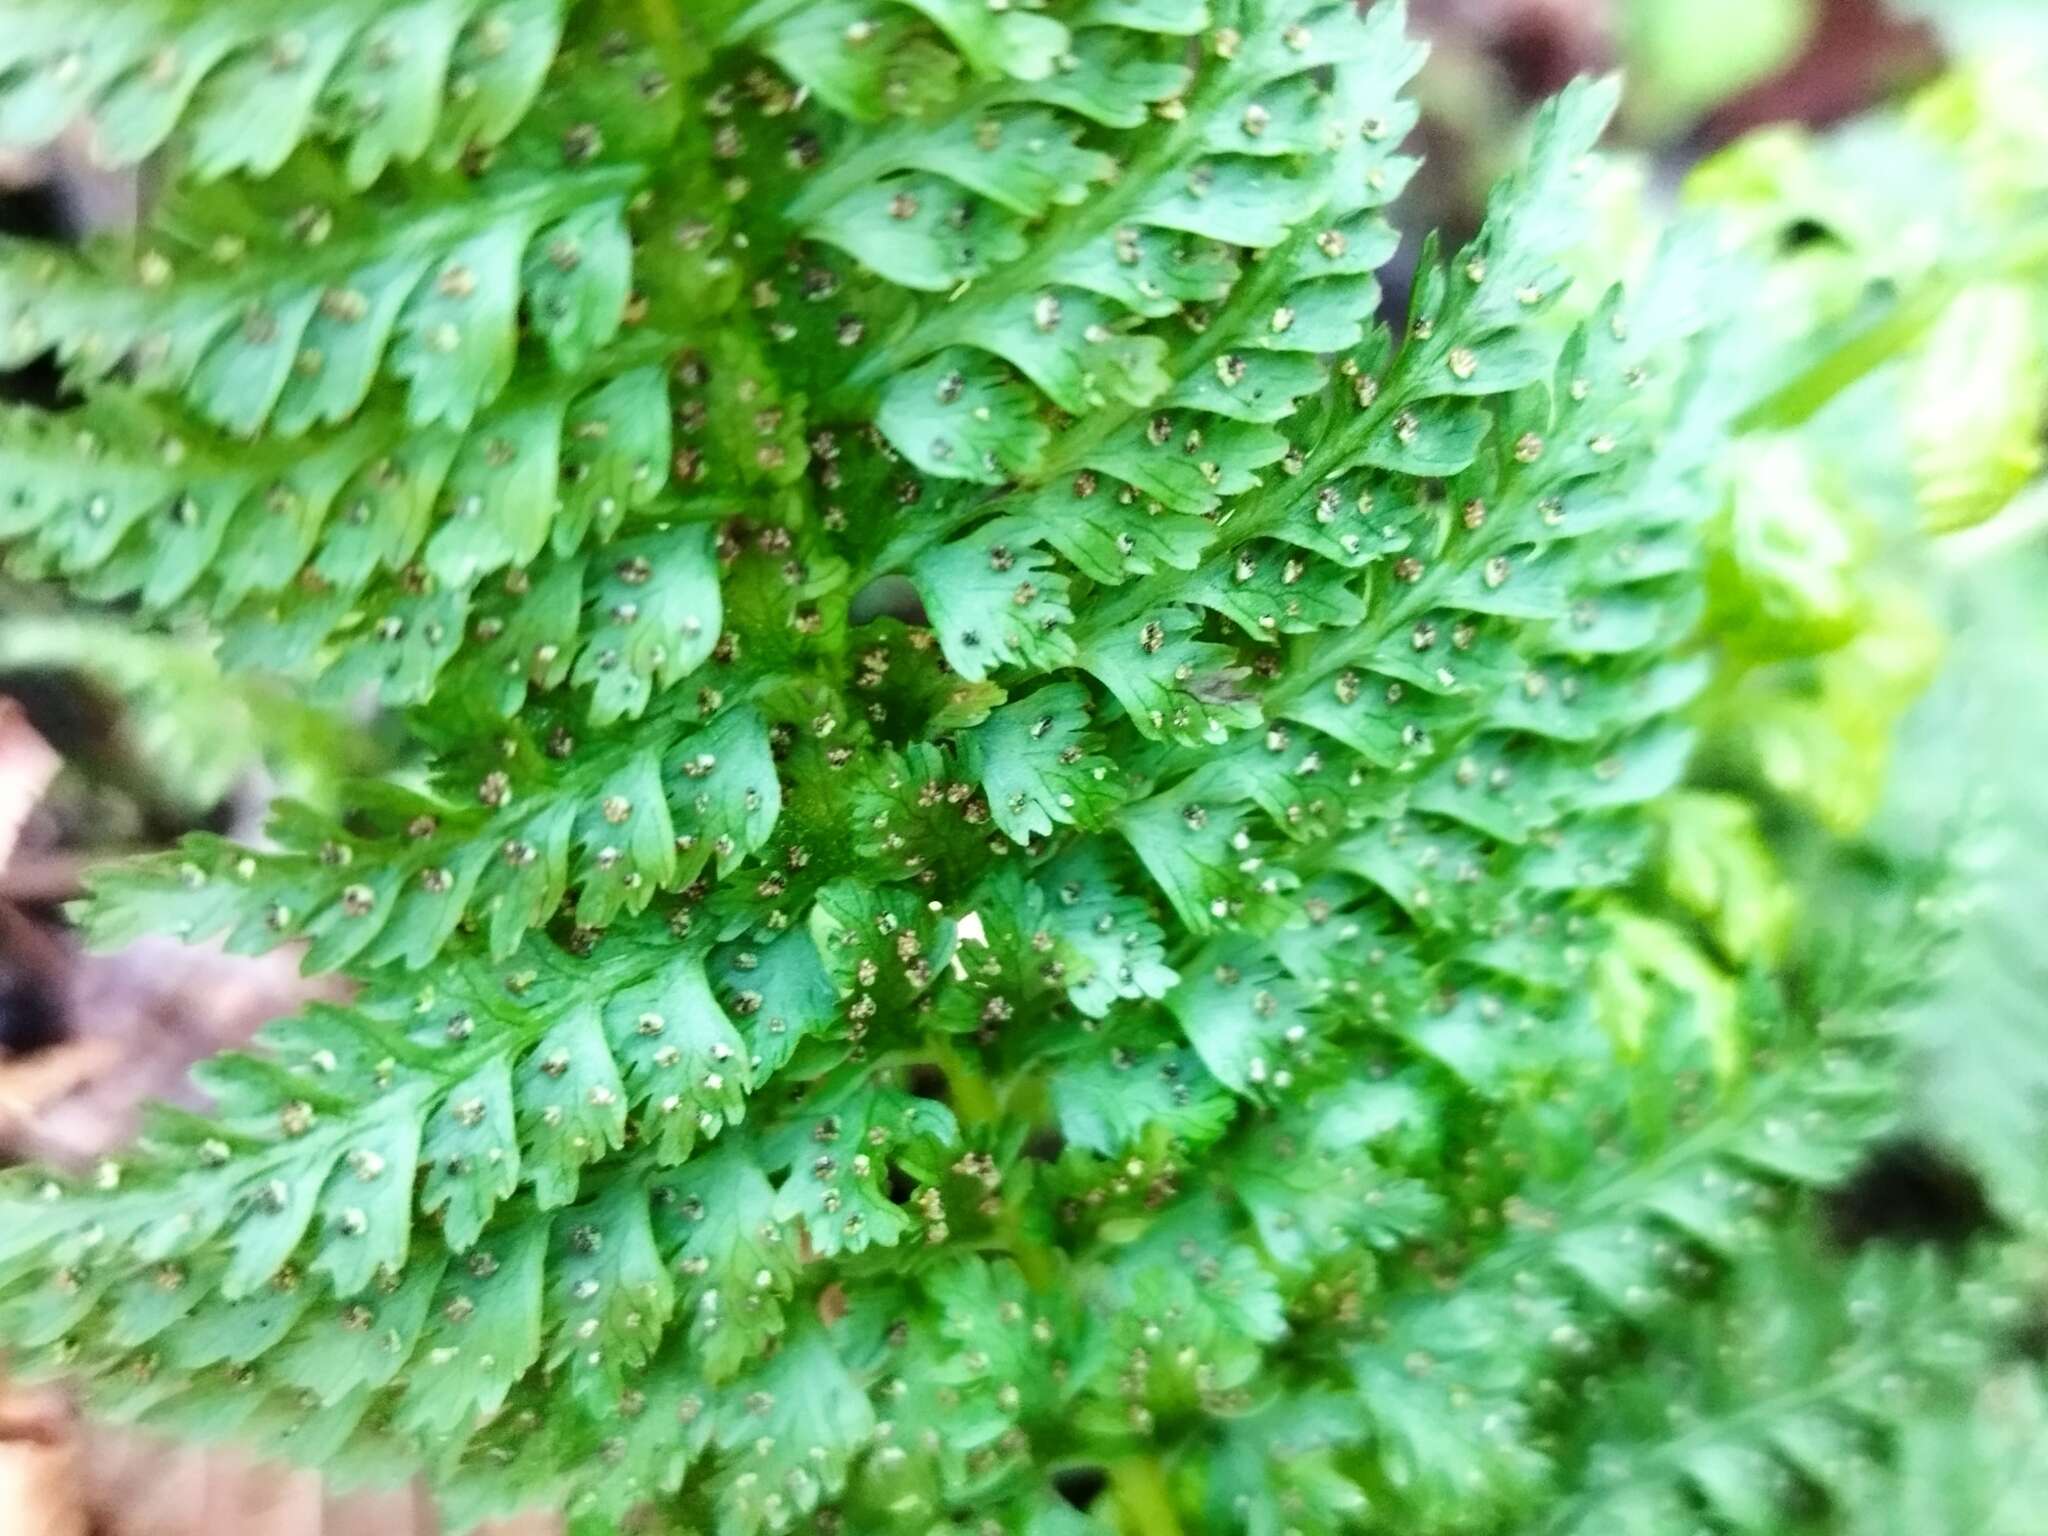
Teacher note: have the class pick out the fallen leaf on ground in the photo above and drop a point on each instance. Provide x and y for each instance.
(38, 1468)
(32, 1084)
(27, 764)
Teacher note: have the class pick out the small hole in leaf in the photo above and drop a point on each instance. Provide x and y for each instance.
(1045, 1145)
(887, 597)
(2029, 1341)
(1080, 1486)
(1802, 233)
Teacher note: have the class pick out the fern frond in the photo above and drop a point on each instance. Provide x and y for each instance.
(1785, 1393)
(1030, 831)
(241, 88)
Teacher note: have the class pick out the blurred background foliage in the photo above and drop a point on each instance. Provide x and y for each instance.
(1876, 603)
(1879, 168)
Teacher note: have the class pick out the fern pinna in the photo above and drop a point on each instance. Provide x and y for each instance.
(1019, 803)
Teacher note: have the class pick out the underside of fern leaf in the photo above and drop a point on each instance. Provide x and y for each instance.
(1020, 802)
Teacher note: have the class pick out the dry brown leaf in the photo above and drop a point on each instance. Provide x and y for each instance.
(39, 1488)
(136, 1485)
(33, 1083)
(27, 764)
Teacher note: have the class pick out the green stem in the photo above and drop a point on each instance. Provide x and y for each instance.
(1144, 1501)
(1812, 390)
(1899, 331)
(978, 1106)
(974, 1099)
(665, 35)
